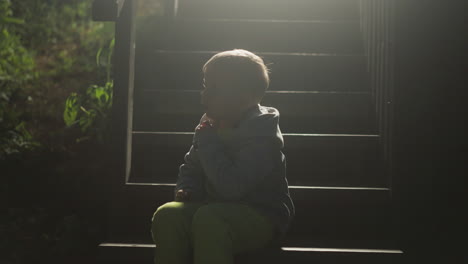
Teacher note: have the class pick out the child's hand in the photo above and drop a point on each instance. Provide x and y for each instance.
(182, 196)
(205, 122)
(205, 118)
(205, 132)
(204, 125)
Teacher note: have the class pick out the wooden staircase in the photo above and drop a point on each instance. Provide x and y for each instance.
(321, 87)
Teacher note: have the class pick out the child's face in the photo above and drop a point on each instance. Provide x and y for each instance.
(221, 100)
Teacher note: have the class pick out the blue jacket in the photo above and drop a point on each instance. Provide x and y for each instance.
(245, 165)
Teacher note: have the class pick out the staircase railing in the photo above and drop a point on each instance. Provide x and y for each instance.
(122, 12)
(107, 10)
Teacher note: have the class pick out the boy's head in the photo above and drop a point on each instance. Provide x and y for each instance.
(233, 80)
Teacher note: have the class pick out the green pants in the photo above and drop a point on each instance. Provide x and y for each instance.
(210, 233)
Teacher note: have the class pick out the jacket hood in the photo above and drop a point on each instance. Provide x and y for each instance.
(261, 121)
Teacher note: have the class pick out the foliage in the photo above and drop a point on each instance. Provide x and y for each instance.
(107, 54)
(60, 21)
(47, 52)
(16, 140)
(16, 69)
(91, 111)
(50, 53)
(16, 63)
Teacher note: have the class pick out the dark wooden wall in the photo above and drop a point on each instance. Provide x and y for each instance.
(430, 150)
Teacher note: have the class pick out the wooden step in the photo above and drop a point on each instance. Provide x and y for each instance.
(324, 160)
(300, 111)
(297, 103)
(182, 70)
(260, 35)
(126, 253)
(323, 214)
(270, 9)
(289, 124)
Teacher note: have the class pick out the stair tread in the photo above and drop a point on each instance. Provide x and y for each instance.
(284, 246)
(265, 35)
(162, 109)
(356, 195)
(337, 159)
(303, 9)
(259, 20)
(305, 243)
(293, 141)
(260, 53)
(144, 253)
(321, 135)
(166, 110)
(288, 71)
(188, 101)
(350, 216)
(319, 125)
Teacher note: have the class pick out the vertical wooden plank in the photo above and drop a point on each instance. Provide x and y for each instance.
(368, 35)
(377, 58)
(122, 115)
(363, 21)
(170, 8)
(390, 93)
(373, 51)
(381, 72)
(383, 65)
(380, 61)
(122, 110)
(377, 22)
(106, 10)
(386, 133)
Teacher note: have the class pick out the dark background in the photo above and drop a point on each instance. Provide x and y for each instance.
(430, 146)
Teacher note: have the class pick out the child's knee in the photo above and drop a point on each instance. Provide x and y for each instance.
(166, 213)
(208, 222)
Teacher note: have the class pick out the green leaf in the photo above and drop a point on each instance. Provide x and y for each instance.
(109, 59)
(21, 128)
(98, 57)
(4, 96)
(71, 109)
(87, 120)
(13, 20)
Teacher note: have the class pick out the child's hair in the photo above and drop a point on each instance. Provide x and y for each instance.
(247, 71)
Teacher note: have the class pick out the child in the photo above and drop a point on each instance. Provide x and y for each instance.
(232, 193)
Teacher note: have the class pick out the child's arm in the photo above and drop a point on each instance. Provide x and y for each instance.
(234, 177)
(189, 184)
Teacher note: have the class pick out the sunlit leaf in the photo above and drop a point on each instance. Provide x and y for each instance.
(71, 109)
(12, 20)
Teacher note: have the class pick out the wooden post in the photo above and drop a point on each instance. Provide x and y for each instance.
(122, 115)
(107, 10)
(122, 111)
(170, 8)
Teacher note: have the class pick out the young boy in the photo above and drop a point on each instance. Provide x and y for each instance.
(232, 193)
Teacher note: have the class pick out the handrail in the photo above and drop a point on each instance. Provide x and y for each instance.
(106, 10)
